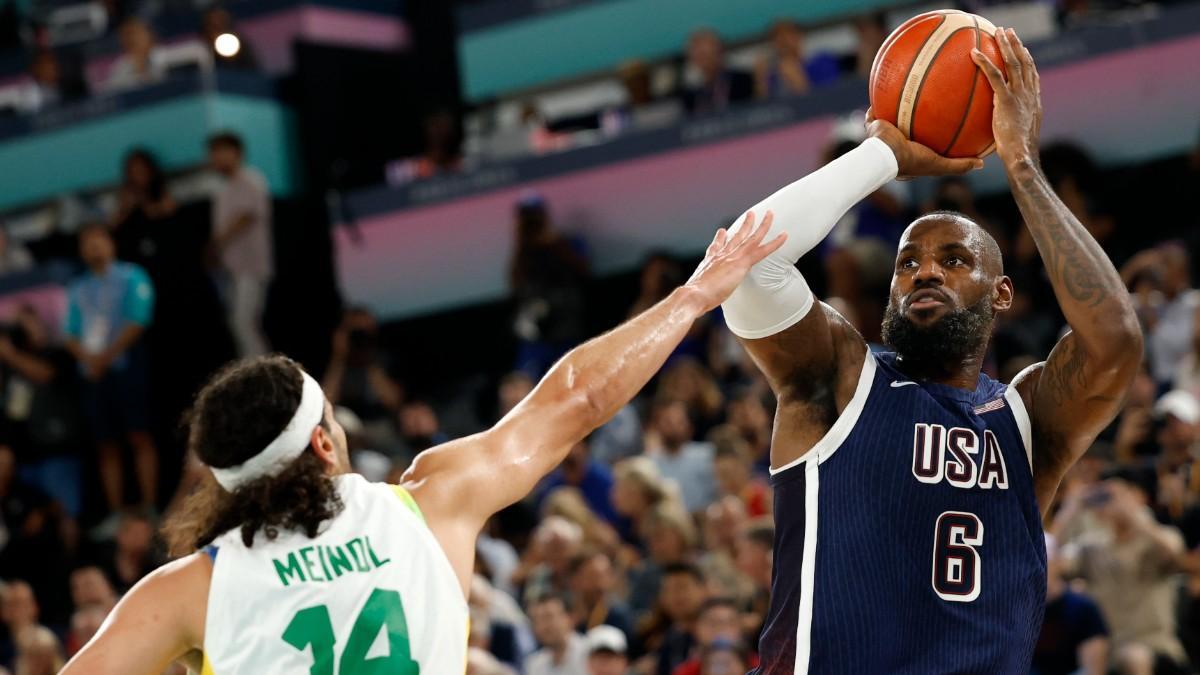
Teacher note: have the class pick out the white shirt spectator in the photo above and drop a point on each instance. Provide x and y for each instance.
(1171, 338)
(574, 661)
(125, 75)
(692, 469)
(251, 253)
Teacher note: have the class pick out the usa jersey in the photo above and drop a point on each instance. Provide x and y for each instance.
(909, 539)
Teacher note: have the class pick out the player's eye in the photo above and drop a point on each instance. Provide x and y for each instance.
(954, 261)
(908, 264)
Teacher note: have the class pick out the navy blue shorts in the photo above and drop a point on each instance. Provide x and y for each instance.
(118, 403)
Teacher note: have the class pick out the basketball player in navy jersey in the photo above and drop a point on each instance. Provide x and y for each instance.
(910, 486)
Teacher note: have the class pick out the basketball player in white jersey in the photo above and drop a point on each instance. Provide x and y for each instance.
(299, 566)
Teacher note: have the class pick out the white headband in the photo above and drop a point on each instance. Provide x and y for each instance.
(287, 446)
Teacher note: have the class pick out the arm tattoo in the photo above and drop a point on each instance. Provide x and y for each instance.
(1065, 376)
(1077, 263)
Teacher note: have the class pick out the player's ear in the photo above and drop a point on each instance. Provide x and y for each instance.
(322, 445)
(1002, 296)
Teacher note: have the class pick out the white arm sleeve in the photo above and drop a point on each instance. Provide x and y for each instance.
(774, 296)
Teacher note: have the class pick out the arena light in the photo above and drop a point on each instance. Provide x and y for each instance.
(227, 45)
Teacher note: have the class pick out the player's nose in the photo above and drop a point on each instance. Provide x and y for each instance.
(929, 272)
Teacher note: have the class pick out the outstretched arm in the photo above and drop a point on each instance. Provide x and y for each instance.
(1080, 387)
(159, 620)
(459, 485)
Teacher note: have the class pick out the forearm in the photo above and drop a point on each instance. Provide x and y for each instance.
(1089, 290)
(1093, 656)
(600, 376)
(126, 339)
(234, 229)
(774, 296)
(36, 369)
(332, 382)
(75, 348)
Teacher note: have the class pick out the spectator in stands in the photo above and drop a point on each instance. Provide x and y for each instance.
(607, 651)
(479, 662)
(91, 588)
(217, 21)
(143, 203)
(38, 652)
(42, 409)
(132, 552)
(1178, 431)
(544, 567)
(689, 463)
(1074, 638)
(755, 554)
(563, 652)
(50, 87)
(661, 273)
(871, 30)
(1130, 564)
(14, 257)
(790, 72)
(85, 623)
(638, 488)
(750, 421)
(592, 586)
(669, 535)
(593, 479)
(242, 237)
(686, 380)
(733, 470)
(442, 153)
(1169, 321)
(718, 86)
(514, 387)
(357, 377)
(724, 656)
(724, 521)
(419, 427)
(669, 631)
(141, 62)
(568, 502)
(108, 311)
(547, 274)
(718, 622)
(488, 630)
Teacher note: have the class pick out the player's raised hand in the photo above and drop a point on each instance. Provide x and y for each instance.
(730, 256)
(914, 159)
(1017, 104)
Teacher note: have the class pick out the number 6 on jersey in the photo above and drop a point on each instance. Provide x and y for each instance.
(956, 565)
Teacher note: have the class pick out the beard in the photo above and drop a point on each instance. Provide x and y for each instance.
(938, 347)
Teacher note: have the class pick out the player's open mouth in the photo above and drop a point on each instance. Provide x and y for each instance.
(926, 299)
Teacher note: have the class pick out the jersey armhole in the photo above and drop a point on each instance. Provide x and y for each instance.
(1021, 417)
(840, 431)
(407, 500)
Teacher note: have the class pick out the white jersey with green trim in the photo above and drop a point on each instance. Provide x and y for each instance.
(373, 592)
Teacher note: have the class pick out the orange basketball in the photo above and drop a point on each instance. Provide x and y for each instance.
(924, 81)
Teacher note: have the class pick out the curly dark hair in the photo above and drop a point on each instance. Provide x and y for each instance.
(237, 414)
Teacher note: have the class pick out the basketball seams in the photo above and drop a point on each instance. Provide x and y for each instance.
(970, 96)
(925, 76)
(903, 120)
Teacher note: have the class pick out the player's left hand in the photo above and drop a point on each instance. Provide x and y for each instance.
(1017, 104)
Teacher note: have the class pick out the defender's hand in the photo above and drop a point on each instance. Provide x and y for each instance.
(914, 159)
(730, 257)
(1017, 104)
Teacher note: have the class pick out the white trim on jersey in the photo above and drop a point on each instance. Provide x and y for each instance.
(1022, 418)
(808, 564)
(840, 431)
